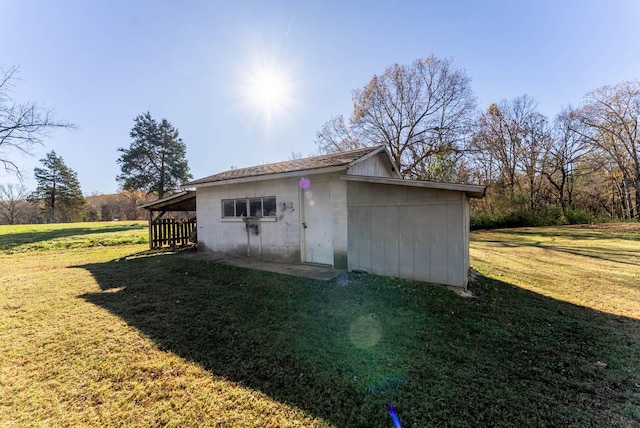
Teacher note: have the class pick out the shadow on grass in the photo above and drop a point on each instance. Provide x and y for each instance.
(598, 253)
(15, 239)
(341, 350)
(574, 232)
(519, 238)
(622, 231)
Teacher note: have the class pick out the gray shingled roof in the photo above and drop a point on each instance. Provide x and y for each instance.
(306, 164)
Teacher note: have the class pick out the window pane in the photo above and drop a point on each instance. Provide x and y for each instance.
(241, 207)
(227, 208)
(255, 207)
(269, 207)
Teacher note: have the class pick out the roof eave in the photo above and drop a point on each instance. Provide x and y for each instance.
(169, 200)
(472, 190)
(264, 177)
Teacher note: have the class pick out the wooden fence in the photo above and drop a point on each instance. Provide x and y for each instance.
(171, 232)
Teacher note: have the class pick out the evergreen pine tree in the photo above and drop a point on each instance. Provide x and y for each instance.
(156, 160)
(58, 190)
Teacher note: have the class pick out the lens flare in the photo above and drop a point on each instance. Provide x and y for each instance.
(365, 332)
(305, 183)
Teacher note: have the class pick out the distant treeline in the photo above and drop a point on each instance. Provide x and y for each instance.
(581, 166)
(17, 208)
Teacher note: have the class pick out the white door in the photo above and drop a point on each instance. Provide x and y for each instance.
(317, 223)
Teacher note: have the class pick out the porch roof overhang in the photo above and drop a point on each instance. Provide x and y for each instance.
(183, 201)
(472, 190)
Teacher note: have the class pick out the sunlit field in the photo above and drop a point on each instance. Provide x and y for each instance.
(29, 238)
(95, 330)
(597, 266)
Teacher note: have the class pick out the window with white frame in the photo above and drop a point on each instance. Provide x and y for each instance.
(249, 207)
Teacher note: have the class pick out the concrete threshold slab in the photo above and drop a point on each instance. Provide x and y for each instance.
(322, 273)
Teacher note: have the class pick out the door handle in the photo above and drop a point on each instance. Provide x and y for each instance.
(304, 224)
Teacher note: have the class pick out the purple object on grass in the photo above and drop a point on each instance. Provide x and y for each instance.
(394, 415)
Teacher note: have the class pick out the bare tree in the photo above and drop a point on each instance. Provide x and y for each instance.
(14, 207)
(513, 140)
(421, 112)
(609, 119)
(568, 149)
(497, 151)
(22, 124)
(336, 136)
(537, 142)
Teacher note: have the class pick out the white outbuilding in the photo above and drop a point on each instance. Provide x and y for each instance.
(351, 210)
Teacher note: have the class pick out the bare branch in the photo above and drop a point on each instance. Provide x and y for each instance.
(422, 112)
(22, 124)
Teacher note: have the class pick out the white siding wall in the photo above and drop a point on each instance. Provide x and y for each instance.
(372, 167)
(277, 240)
(339, 213)
(408, 232)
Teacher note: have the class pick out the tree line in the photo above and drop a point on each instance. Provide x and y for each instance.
(580, 166)
(154, 164)
(18, 207)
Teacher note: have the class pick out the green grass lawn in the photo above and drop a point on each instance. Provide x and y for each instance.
(29, 237)
(109, 334)
(597, 266)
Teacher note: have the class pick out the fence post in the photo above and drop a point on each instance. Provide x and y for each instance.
(150, 229)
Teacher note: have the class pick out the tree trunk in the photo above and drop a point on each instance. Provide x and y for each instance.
(626, 198)
(161, 186)
(637, 205)
(563, 201)
(52, 209)
(630, 204)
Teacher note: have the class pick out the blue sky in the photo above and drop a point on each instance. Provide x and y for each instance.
(100, 63)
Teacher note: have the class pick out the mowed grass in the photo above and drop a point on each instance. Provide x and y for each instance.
(114, 335)
(597, 266)
(28, 237)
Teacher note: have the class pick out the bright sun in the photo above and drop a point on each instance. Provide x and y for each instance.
(267, 90)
